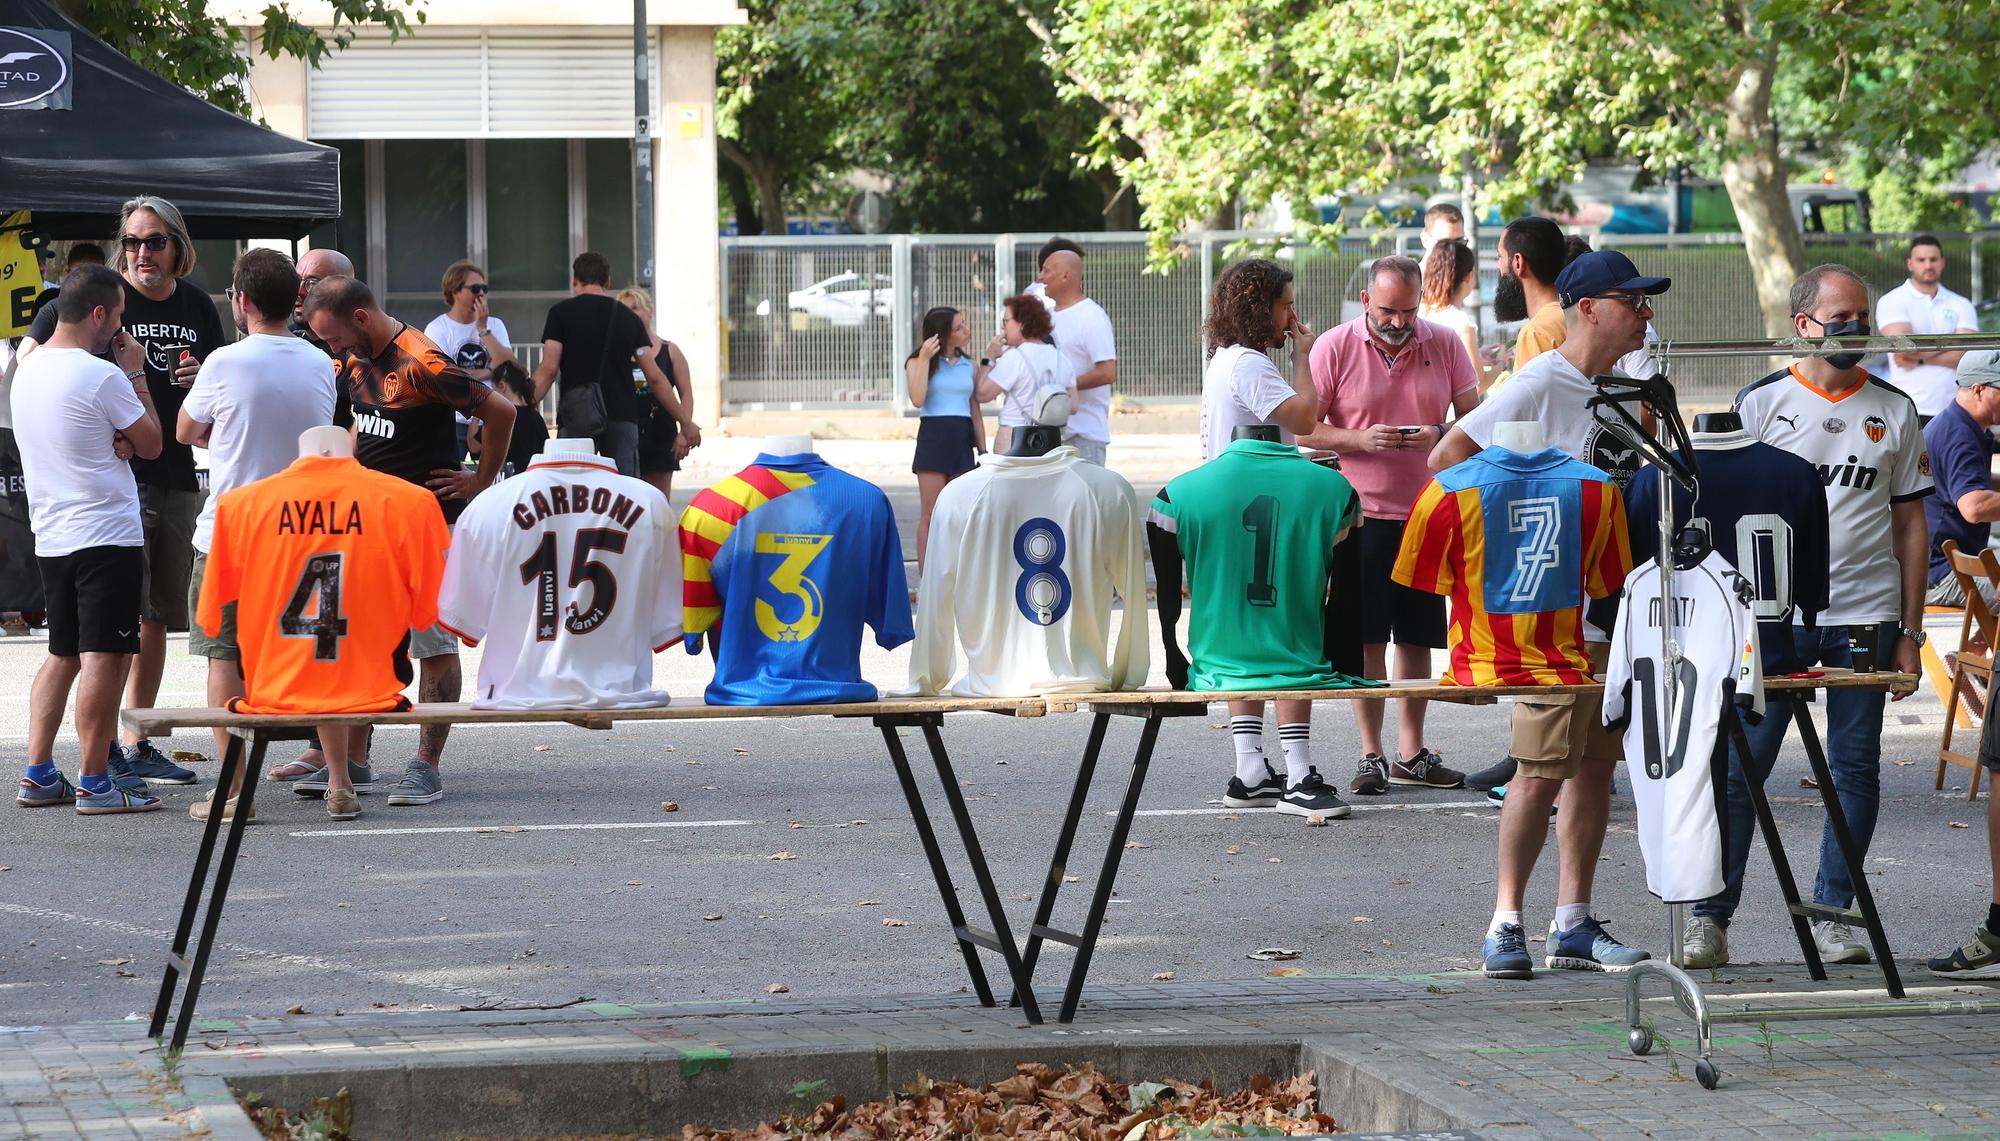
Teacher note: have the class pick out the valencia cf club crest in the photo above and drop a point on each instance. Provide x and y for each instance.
(392, 387)
(1876, 427)
(1833, 425)
(1924, 463)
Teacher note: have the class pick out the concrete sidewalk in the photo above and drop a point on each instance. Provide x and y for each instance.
(1452, 1051)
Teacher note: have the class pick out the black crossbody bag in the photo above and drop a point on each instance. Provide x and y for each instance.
(580, 412)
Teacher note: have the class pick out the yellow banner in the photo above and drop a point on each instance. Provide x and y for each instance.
(20, 276)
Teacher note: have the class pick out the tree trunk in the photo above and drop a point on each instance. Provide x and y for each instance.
(1754, 174)
(741, 198)
(1121, 202)
(768, 179)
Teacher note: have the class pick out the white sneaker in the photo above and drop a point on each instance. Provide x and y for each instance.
(1837, 943)
(1704, 944)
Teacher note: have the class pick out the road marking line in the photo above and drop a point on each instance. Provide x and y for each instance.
(524, 828)
(1220, 808)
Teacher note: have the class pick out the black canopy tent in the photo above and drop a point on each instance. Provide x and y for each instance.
(131, 132)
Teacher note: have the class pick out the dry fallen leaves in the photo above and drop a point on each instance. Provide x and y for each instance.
(1163, 976)
(296, 1008)
(867, 903)
(1959, 824)
(1286, 973)
(710, 918)
(669, 806)
(1232, 851)
(633, 883)
(895, 923)
(1316, 821)
(781, 856)
(1273, 860)
(1042, 1102)
(741, 752)
(541, 748)
(112, 962)
(777, 988)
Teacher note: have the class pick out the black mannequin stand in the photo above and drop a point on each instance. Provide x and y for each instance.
(1035, 440)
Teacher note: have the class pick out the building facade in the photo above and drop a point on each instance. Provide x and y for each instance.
(503, 131)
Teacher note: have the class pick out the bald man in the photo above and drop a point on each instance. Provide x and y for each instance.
(314, 265)
(1083, 336)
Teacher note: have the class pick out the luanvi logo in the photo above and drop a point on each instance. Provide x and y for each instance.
(34, 69)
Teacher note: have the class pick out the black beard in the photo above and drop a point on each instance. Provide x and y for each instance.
(1510, 299)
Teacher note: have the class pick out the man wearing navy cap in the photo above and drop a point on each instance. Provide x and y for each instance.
(1605, 302)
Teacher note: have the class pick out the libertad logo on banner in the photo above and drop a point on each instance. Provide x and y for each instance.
(34, 69)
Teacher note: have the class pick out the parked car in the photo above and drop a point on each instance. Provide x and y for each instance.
(843, 299)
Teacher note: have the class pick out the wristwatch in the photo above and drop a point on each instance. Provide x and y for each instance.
(985, 362)
(1918, 636)
(484, 332)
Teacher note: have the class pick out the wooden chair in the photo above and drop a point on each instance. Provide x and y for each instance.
(1975, 669)
(1938, 672)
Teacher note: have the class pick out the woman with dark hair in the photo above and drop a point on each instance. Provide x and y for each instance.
(1250, 313)
(1451, 271)
(530, 430)
(1024, 363)
(941, 377)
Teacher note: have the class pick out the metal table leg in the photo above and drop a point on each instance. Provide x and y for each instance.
(1086, 771)
(1843, 838)
(1775, 846)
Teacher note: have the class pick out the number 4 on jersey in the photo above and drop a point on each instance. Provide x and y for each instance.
(319, 588)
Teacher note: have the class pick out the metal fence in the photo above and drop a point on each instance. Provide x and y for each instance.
(823, 322)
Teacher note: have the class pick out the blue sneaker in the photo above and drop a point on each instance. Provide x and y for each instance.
(1507, 954)
(152, 766)
(57, 791)
(115, 801)
(122, 775)
(1589, 947)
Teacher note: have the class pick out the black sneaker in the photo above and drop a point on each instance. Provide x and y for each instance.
(1426, 769)
(1265, 794)
(1488, 779)
(1371, 777)
(1313, 797)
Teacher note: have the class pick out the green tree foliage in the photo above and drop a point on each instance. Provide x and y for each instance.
(1214, 101)
(182, 41)
(779, 132)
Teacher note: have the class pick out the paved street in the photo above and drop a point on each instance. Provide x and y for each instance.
(549, 871)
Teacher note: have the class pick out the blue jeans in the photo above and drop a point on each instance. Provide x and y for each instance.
(619, 442)
(1853, 754)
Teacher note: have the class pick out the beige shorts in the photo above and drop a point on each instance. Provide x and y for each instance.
(1553, 736)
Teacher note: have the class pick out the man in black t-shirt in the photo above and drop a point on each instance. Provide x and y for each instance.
(178, 327)
(592, 339)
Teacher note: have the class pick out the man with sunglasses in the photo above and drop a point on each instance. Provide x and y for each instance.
(1863, 435)
(177, 327)
(1605, 303)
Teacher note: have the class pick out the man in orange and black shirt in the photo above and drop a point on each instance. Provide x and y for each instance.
(403, 392)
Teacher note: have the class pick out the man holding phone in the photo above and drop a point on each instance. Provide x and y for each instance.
(1387, 381)
(177, 327)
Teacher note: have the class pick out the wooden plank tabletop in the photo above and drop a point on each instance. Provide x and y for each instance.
(162, 721)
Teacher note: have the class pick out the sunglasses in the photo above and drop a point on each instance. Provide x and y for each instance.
(477, 290)
(153, 243)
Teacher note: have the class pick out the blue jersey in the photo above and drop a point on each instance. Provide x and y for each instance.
(1765, 511)
(782, 563)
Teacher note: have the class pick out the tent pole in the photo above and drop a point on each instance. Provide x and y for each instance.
(642, 148)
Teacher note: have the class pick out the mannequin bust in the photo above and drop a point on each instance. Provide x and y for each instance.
(1265, 432)
(1718, 422)
(326, 440)
(787, 445)
(569, 445)
(1035, 440)
(1523, 436)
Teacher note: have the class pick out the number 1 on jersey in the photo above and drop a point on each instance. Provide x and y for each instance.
(1260, 518)
(319, 588)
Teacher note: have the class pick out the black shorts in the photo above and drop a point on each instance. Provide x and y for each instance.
(1390, 611)
(656, 442)
(944, 445)
(94, 600)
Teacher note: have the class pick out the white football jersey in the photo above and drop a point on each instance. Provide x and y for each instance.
(571, 575)
(1678, 781)
(1025, 555)
(1869, 450)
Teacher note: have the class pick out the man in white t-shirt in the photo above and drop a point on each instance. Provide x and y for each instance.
(82, 420)
(1084, 337)
(1922, 305)
(248, 406)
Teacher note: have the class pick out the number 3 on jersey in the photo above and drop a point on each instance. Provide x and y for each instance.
(1042, 592)
(318, 588)
(796, 553)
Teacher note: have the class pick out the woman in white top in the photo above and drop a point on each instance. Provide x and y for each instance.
(1451, 270)
(1024, 364)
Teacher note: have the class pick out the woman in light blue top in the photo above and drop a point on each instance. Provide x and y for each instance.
(941, 376)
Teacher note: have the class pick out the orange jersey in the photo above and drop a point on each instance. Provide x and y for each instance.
(330, 565)
(1518, 543)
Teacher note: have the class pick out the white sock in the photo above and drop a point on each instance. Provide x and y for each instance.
(1248, 730)
(1569, 915)
(1503, 917)
(1297, 741)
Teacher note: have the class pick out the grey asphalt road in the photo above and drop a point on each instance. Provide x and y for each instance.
(549, 871)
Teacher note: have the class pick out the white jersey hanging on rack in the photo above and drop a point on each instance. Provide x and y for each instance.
(570, 575)
(1676, 789)
(1025, 556)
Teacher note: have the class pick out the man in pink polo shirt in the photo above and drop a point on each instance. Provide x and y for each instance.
(1387, 381)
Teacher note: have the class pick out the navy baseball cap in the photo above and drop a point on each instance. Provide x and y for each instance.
(1601, 271)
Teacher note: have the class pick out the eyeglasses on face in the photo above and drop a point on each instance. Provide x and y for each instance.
(153, 243)
(1636, 302)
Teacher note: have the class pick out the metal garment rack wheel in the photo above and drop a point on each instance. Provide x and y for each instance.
(1687, 992)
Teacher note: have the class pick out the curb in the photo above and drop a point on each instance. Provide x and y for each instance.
(215, 1110)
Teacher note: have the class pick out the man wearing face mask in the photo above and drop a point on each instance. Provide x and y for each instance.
(1387, 381)
(1862, 434)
